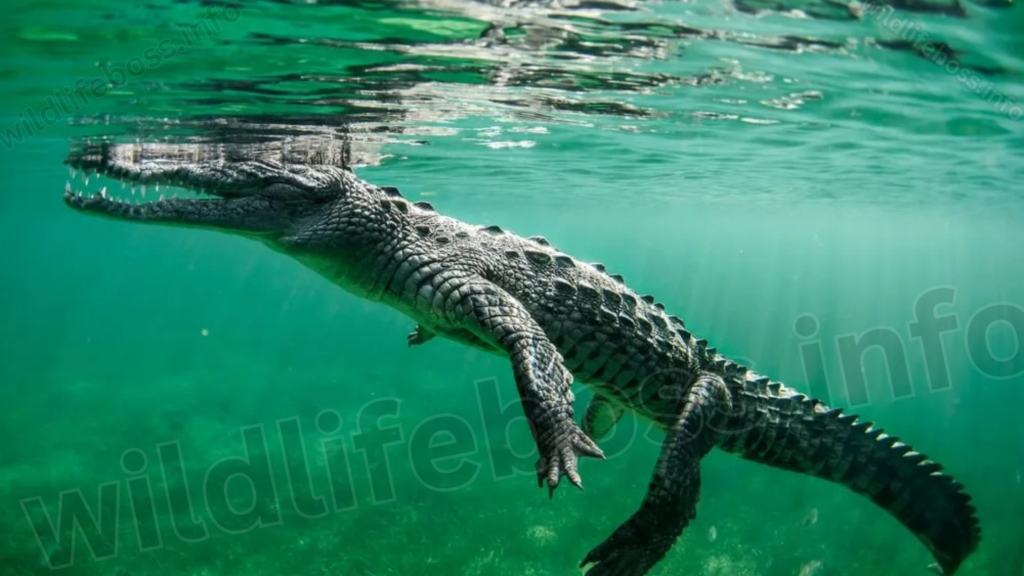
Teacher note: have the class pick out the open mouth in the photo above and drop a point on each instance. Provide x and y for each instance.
(105, 190)
(190, 185)
(102, 182)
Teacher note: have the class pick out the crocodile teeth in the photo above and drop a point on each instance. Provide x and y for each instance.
(142, 189)
(67, 187)
(103, 192)
(86, 178)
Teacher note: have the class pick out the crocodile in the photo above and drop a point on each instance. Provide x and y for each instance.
(556, 319)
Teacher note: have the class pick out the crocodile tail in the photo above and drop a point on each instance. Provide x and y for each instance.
(775, 425)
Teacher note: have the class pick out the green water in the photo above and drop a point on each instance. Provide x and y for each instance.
(749, 163)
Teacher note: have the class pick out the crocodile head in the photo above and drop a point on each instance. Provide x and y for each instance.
(261, 198)
(321, 214)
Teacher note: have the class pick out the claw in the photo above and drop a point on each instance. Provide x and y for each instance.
(632, 550)
(419, 335)
(588, 448)
(562, 459)
(588, 560)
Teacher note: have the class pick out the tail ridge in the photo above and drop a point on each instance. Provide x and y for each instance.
(777, 426)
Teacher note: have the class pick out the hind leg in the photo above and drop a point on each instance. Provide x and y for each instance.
(671, 500)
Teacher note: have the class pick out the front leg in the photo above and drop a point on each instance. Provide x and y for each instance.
(497, 318)
(671, 499)
(420, 335)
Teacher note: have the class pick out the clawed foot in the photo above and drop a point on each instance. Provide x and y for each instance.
(632, 550)
(563, 458)
(419, 336)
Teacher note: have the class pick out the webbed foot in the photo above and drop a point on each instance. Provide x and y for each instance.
(632, 550)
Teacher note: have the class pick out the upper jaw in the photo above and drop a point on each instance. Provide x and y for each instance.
(203, 169)
(155, 165)
(129, 182)
(248, 196)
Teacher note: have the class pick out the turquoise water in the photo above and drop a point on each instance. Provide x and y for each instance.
(783, 175)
